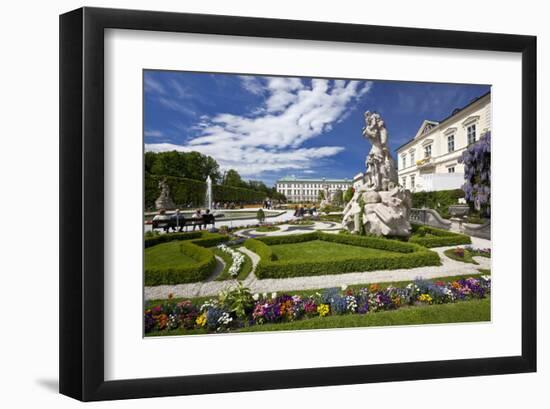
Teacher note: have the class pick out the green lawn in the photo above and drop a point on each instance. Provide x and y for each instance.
(320, 250)
(265, 229)
(463, 311)
(166, 255)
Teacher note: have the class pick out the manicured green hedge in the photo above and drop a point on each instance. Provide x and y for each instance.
(410, 256)
(194, 245)
(199, 238)
(362, 241)
(261, 249)
(443, 237)
(164, 238)
(438, 200)
(206, 262)
(192, 192)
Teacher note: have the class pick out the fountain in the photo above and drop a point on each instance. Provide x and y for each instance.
(208, 196)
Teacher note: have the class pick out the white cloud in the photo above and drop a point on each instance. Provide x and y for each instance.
(252, 84)
(178, 106)
(153, 133)
(153, 86)
(293, 112)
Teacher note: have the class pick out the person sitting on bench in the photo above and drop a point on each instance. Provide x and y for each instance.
(177, 221)
(208, 218)
(197, 217)
(162, 221)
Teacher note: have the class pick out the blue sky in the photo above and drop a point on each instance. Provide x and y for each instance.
(267, 127)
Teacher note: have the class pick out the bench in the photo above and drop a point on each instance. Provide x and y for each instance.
(178, 223)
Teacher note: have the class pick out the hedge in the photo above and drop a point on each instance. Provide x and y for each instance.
(192, 192)
(206, 263)
(437, 200)
(164, 238)
(362, 241)
(199, 238)
(443, 237)
(269, 267)
(194, 245)
(261, 249)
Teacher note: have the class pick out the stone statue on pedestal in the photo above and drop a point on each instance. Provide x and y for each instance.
(379, 206)
(164, 201)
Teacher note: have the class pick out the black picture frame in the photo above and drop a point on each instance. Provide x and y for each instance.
(82, 212)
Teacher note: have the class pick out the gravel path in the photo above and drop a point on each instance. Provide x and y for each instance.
(448, 268)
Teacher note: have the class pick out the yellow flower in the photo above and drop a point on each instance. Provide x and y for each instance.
(323, 310)
(425, 298)
(201, 320)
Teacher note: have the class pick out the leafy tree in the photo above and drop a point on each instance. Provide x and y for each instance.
(321, 195)
(232, 178)
(191, 165)
(338, 197)
(348, 194)
(260, 215)
(477, 174)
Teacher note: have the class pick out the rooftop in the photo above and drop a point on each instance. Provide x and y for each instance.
(455, 112)
(312, 180)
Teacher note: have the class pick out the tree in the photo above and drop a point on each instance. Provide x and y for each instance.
(477, 174)
(191, 165)
(348, 194)
(232, 178)
(338, 198)
(260, 215)
(321, 195)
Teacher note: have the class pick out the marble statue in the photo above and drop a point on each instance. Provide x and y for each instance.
(164, 201)
(327, 199)
(379, 206)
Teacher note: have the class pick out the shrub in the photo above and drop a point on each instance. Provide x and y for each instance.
(191, 192)
(362, 241)
(431, 237)
(410, 256)
(438, 200)
(282, 269)
(164, 238)
(260, 248)
(206, 263)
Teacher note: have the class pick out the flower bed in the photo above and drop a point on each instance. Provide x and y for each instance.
(237, 260)
(485, 252)
(404, 255)
(238, 308)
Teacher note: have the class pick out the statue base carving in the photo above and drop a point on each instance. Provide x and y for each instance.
(383, 213)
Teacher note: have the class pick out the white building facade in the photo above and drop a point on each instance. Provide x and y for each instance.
(307, 190)
(429, 161)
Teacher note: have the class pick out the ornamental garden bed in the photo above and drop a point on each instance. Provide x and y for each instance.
(177, 258)
(321, 253)
(431, 237)
(459, 299)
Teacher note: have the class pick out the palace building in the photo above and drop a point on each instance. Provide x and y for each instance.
(307, 190)
(429, 161)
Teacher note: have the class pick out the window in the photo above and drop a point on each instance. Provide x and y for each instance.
(404, 181)
(471, 132)
(451, 169)
(428, 151)
(412, 158)
(412, 181)
(450, 143)
(404, 159)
